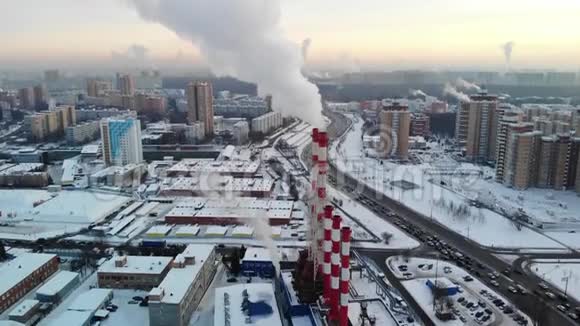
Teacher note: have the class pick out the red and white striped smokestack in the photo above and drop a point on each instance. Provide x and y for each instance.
(321, 180)
(345, 234)
(335, 268)
(327, 248)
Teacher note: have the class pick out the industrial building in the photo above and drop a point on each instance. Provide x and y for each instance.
(25, 312)
(119, 176)
(81, 311)
(22, 274)
(194, 167)
(56, 289)
(82, 133)
(177, 297)
(235, 211)
(253, 304)
(23, 175)
(204, 185)
(133, 272)
(257, 262)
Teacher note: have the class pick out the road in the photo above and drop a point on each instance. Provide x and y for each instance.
(538, 307)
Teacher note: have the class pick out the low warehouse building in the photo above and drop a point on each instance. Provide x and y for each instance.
(81, 311)
(25, 311)
(133, 272)
(257, 262)
(56, 289)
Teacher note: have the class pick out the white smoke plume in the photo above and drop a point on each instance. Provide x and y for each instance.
(136, 55)
(464, 84)
(263, 232)
(417, 92)
(243, 39)
(508, 49)
(451, 90)
(306, 48)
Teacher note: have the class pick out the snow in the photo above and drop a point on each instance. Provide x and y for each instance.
(373, 222)
(257, 292)
(416, 285)
(243, 231)
(159, 230)
(23, 308)
(216, 231)
(18, 269)
(481, 225)
(136, 265)
(127, 314)
(375, 309)
(556, 272)
(187, 231)
(57, 283)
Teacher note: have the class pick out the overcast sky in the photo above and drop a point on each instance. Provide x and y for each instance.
(378, 33)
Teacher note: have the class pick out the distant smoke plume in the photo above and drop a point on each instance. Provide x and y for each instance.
(306, 48)
(465, 85)
(508, 49)
(452, 91)
(136, 55)
(417, 92)
(243, 39)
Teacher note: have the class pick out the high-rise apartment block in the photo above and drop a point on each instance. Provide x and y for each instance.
(52, 123)
(126, 85)
(121, 141)
(26, 98)
(394, 124)
(477, 122)
(200, 105)
(420, 125)
(40, 96)
(98, 88)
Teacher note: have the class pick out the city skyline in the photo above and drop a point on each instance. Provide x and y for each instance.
(373, 34)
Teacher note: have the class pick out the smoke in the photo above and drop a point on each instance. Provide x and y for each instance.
(136, 55)
(451, 90)
(417, 92)
(243, 39)
(464, 84)
(263, 232)
(508, 49)
(306, 48)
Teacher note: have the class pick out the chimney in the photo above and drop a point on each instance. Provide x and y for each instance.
(346, 233)
(327, 251)
(335, 268)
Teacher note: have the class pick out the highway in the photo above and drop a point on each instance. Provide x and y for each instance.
(536, 305)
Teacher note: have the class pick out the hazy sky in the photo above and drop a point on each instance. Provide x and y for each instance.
(378, 33)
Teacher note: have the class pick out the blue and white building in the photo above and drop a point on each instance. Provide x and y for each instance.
(121, 141)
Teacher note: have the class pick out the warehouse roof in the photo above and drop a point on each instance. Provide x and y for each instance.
(136, 265)
(210, 166)
(57, 283)
(18, 269)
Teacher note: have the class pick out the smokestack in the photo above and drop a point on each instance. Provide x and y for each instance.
(327, 252)
(321, 188)
(314, 205)
(335, 268)
(346, 233)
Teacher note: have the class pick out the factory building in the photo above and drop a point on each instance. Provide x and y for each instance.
(222, 185)
(257, 262)
(56, 289)
(173, 302)
(194, 167)
(133, 272)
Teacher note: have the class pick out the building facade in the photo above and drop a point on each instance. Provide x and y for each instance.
(126, 85)
(394, 122)
(482, 124)
(133, 272)
(267, 123)
(200, 105)
(121, 141)
(98, 88)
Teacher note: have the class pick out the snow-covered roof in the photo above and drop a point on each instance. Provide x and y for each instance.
(9, 169)
(159, 230)
(19, 268)
(90, 150)
(208, 166)
(242, 207)
(57, 283)
(228, 301)
(136, 265)
(216, 230)
(91, 300)
(178, 280)
(220, 183)
(243, 230)
(257, 254)
(187, 230)
(72, 318)
(23, 308)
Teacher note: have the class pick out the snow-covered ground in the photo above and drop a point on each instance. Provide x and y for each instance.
(421, 269)
(558, 272)
(432, 199)
(376, 224)
(375, 309)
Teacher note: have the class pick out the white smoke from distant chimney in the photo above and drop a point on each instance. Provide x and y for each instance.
(263, 232)
(306, 48)
(464, 84)
(418, 92)
(508, 49)
(243, 39)
(451, 90)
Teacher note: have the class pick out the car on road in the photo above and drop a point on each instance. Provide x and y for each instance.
(494, 283)
(512, 289)
(468, 278)
(543, 285)
(573, 316)
(550, 295)
(561, 308)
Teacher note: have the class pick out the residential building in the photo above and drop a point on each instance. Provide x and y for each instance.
(22, 274)
(126, 85)
(554, 162)
(481, 121)
(121, 141)
(82, 133)
(40, 96)
(150, 103)
(26, 98)
(200, 105)
(241, 132)
(53, 123)
(420, 125)
(503, 137)
(173, 302)
(133, 272)
(267, 123)
(98, 88)
(241, 106)
(394, 123)
(521, 159)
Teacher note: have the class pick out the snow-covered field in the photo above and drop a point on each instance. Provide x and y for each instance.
(558, 273)
(415, 283)
(431, 199)
(376, 224)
